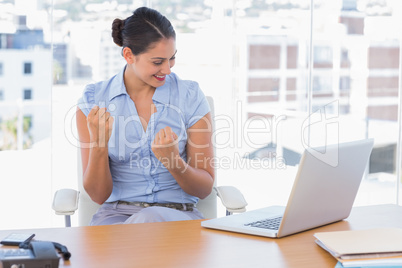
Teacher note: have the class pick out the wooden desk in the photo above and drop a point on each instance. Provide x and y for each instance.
(187, 244)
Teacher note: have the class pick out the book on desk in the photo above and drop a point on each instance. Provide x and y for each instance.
(380, 247)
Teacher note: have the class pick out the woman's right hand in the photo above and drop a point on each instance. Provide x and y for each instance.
(100, 125)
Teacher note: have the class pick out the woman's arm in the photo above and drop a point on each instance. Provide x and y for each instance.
(196, 177)
(94, 133)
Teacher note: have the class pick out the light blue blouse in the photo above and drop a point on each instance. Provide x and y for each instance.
(137, 174)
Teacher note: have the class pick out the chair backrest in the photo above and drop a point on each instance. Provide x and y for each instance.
(87, 207)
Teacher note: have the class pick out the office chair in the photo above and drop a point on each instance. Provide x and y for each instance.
(67, 201)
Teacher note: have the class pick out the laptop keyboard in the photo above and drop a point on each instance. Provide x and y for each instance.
(271, 223)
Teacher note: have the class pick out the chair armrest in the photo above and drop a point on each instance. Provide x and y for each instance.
(65, 201)
(231, 198)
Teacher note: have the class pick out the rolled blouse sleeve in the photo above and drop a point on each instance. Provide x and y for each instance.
(196, 104)
(87, 101)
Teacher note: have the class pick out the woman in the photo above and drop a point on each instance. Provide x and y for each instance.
(145, 134)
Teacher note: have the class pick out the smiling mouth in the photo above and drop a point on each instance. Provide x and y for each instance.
(160, 78)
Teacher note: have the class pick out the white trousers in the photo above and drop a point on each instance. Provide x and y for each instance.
(113, 213)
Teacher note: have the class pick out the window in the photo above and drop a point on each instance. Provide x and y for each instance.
(22, 20)
(322, 57)
(344, 83)
(27, 94)
(27, 68)
(251, 56)
(322, 84)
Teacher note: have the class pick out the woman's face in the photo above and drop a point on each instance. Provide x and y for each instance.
(152, 66)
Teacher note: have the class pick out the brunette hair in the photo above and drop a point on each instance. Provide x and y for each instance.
(141, 30)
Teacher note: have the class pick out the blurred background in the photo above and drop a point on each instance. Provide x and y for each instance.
(284, 74)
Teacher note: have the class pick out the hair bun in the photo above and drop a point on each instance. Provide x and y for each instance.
(117, 28)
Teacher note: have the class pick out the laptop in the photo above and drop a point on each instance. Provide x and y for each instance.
(323, 192)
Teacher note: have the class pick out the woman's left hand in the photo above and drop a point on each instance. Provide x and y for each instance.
(166, 147)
